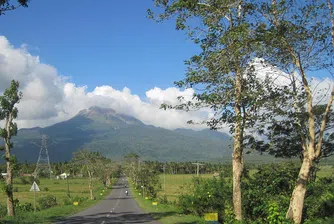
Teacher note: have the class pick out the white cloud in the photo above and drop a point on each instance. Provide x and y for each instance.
(48, 98)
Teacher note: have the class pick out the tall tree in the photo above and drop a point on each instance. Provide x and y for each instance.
(8, 112)
(222, 73)
(90, 162)
(131, 162)
(284, 140)
(8, 5)
(297, 39)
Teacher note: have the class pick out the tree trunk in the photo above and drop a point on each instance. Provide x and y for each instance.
(108, 182)
(90, 186)
(295, 211)
(9, 186)
(9, 176)
(237, 162)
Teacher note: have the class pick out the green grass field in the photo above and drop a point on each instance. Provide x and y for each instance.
(176, 184)
(166, 214)
(57, 188)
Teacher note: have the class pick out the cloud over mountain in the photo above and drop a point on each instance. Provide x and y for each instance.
(49, 97)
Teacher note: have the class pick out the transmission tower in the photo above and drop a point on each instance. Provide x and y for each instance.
(43, 162)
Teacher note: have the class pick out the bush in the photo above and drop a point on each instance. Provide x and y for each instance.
(319, 201)
(46, 189)
(15, 189)
(69, 201)
(272, 184)
(25, 207)
(47, 202)
(23, 180)
(3, 210)
(210, 195)
(32, 179)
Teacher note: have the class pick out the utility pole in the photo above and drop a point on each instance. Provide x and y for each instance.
(198, 164)
(164, 180)
(68, 188)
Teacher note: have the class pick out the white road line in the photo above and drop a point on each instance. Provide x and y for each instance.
(103, 222)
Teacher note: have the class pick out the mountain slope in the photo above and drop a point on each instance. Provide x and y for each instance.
(115, 135)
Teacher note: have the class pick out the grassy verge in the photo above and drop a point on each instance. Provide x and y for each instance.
(166, 214)
(58, 212)
(175, 184)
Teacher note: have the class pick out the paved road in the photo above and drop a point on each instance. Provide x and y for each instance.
(116, 208)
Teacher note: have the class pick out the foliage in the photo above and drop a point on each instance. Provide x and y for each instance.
(47, 202)
(319, 201)
(208, 195)
(3, 210)
(8, 112)
(268, 184)
(23, 180)
(24, 207)
(148, 177)
(100, 135)
(6, 5)
(69, 201)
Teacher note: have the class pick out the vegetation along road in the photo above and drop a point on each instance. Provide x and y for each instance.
(117, 208)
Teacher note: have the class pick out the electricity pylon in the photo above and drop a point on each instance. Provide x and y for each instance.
(43, 162)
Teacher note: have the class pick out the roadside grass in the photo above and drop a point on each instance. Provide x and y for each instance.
(176, 184)
(164, 213)
(325, 171)
(57, 188)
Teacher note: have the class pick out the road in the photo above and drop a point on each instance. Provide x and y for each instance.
(116, 208)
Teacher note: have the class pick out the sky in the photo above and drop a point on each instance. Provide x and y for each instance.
(113, 40)
(71, 55)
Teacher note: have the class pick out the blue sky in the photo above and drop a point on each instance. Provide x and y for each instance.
(106, 42)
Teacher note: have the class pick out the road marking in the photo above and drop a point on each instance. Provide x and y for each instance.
(103, 222)
(108, 216)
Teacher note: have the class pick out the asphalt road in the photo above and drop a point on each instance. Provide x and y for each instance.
(116, 208)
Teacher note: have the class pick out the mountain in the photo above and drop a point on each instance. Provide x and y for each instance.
(115, 134)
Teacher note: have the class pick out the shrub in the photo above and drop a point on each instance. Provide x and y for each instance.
(25, 207)
(69, 201)
(15, 189)
(210, 195)
(23, 180)
(46, 189)
(319, 201)
(3, 210)
(47, 202)
(32, 179)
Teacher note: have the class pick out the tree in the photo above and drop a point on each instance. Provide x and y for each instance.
(148, 179)
(90, 162)
(297, 39)
(106, 169)
(282, 134)
(131, 162)
(223, 73)
(6, 5)
(8, 112)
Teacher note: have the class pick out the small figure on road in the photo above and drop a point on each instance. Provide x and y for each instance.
(126, 192)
